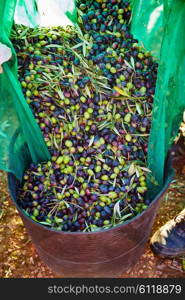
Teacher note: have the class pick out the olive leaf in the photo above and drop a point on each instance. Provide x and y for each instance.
(60, 93)
(137, 172)
(131, 185)
(77, 46)
(66, 203)
(121, 91)
(88, 91)
(126, 216)
(132, 63)
(128, 65)
(145, 169)
(117, 211)
(45, 223)
(84, 49)
(91, 141)
(138, 108)
(116, 131)
(75, 217)
(77, 190)
(132, 169)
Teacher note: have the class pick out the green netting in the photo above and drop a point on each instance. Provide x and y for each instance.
(15, 114)
(18, 128)
(148, 23)
(158, 24)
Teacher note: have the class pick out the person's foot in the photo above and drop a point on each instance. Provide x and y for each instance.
(169, 240)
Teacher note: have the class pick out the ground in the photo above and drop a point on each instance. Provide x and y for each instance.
(19, 259)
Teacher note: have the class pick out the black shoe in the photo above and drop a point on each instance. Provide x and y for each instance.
(169, 240)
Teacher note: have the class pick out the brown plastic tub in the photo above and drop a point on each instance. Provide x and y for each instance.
(107, 253)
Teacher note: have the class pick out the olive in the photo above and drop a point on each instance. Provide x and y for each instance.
(96, 141)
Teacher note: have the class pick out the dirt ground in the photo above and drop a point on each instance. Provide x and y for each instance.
(19, 259)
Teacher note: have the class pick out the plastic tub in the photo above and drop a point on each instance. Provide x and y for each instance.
(107, 253)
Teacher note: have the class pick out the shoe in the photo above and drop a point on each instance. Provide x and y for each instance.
(169, 240)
